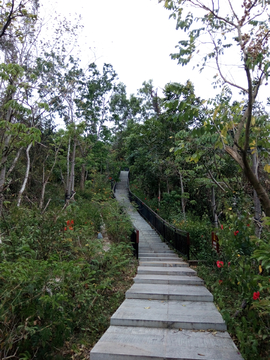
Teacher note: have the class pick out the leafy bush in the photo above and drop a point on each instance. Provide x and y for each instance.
(58, 281)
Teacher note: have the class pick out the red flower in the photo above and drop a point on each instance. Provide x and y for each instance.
(220, 264)
(157, 209)
(229, 263)
(65, 229)
(221, 227)
(220, 282)
(70, 228)
(72, 222)
(236, 232)
(256, 295)
(248, 224)
(110, 178)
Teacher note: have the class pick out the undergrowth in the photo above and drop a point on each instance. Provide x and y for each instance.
(59, 283)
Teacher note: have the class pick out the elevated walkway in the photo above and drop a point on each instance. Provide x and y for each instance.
(168, 313)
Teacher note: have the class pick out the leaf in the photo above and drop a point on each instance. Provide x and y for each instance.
(267, 168)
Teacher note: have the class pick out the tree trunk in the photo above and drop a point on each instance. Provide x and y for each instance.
(261, 192)
(43, 189)
(256, 200)
(159, 194)
(45, 179)
(67, 195)
(2, 185)
(182, 195)
(82, 182)
(72, 172)
(26, 175)
(214, 207)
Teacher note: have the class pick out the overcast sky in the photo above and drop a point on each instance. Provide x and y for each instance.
(135, 36)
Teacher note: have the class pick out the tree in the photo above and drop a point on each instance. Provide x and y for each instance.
(243, 28)
(12, 10)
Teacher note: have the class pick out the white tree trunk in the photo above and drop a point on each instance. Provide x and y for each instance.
(26, 175)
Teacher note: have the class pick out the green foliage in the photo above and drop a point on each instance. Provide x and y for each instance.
(236, 237)
(200, 236)
(247, 319)
(117, 225)
(58, 281)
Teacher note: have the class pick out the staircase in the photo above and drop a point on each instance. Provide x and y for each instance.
(168, 313)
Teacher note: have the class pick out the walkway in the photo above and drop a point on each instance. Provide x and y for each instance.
(168, 312)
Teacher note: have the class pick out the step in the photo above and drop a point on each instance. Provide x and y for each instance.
(174, 263)
(154, 259)
(161, 270)
(187, 315)
(169, 292)
(168, 279)
(135, 343)
(159, 254)
(155, 250)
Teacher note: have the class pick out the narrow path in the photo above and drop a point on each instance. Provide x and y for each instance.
(168, 313)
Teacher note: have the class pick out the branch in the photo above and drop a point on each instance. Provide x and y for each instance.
(245, 115)
(8, 21)
(215, 181)
(202, 6)
(234, 13)
(234, 154)
(219, 69)
(14, 161)
(46, 206)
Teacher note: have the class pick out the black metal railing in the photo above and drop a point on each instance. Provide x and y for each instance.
(174, 237)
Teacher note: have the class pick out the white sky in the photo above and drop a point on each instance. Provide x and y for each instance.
(135, 36)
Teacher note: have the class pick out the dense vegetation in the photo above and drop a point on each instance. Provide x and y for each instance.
(202, 164)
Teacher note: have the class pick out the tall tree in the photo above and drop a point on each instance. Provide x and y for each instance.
(244, 28)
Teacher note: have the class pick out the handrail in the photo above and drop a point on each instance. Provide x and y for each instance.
(178, 239)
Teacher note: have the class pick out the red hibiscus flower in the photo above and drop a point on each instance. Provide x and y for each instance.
(220, 264)
(220, 281)
(256, 295)
(236, 232)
